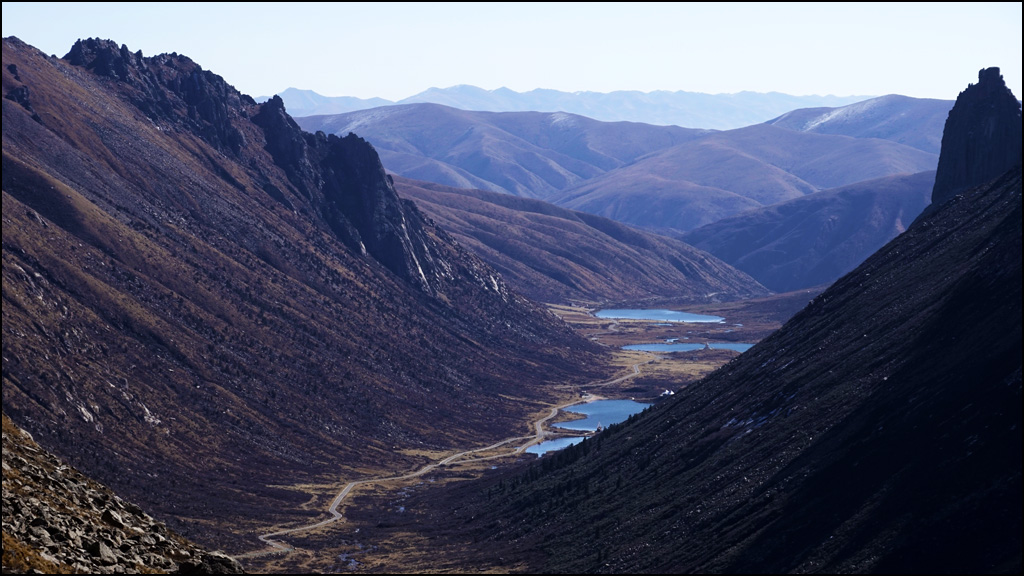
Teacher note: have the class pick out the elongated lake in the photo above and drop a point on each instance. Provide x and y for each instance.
(553, 445)
(657, 315)
(688, 346)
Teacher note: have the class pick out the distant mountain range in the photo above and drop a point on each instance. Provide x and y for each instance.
(663, 108)
(653, 176)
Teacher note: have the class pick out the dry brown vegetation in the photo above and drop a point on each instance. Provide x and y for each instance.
(21, 558)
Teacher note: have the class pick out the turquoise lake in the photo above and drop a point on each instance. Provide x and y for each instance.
(688, 346)
(657, 315)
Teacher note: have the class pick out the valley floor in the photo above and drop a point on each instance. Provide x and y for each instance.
(373, 524)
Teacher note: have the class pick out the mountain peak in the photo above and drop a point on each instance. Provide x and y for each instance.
(170, 89)
(991, 77)
(981, 139)
(104, 57)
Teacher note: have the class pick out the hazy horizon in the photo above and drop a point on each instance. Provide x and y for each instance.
(394, 51)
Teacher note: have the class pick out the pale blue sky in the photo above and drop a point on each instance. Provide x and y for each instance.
(396, 50)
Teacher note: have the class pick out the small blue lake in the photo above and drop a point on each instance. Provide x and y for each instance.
(598, 413)
(657, 315)
(688, 346)
(553, 445)
(601, 413)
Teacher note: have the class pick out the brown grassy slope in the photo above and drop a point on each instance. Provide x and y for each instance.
(877, 431)
(556, 255)
(182, 323)
(699, 182)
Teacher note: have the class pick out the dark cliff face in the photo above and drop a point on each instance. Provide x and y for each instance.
(345, 181)
(982, 137)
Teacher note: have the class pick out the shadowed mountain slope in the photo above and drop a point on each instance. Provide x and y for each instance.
(555, 255)
(723, 174)
(815, 239)
(528, 154)
(916, 122)
(203, 305)
(878, 431)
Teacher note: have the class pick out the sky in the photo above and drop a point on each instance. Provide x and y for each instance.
(392, 51)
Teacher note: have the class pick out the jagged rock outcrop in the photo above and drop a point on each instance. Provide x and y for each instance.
(342, 178)
(208, 102)
(55, 517)
(345, 181)
(20, 94)
(982, 137)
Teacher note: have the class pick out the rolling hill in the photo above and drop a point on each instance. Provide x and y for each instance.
(915, 122)
(722, 174)
(815, 239)
(552, 254)
(529, 154)
(657, 177)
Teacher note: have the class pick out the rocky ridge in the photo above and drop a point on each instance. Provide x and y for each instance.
(345, 180)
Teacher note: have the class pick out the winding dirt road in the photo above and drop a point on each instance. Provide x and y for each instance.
(276, 546)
